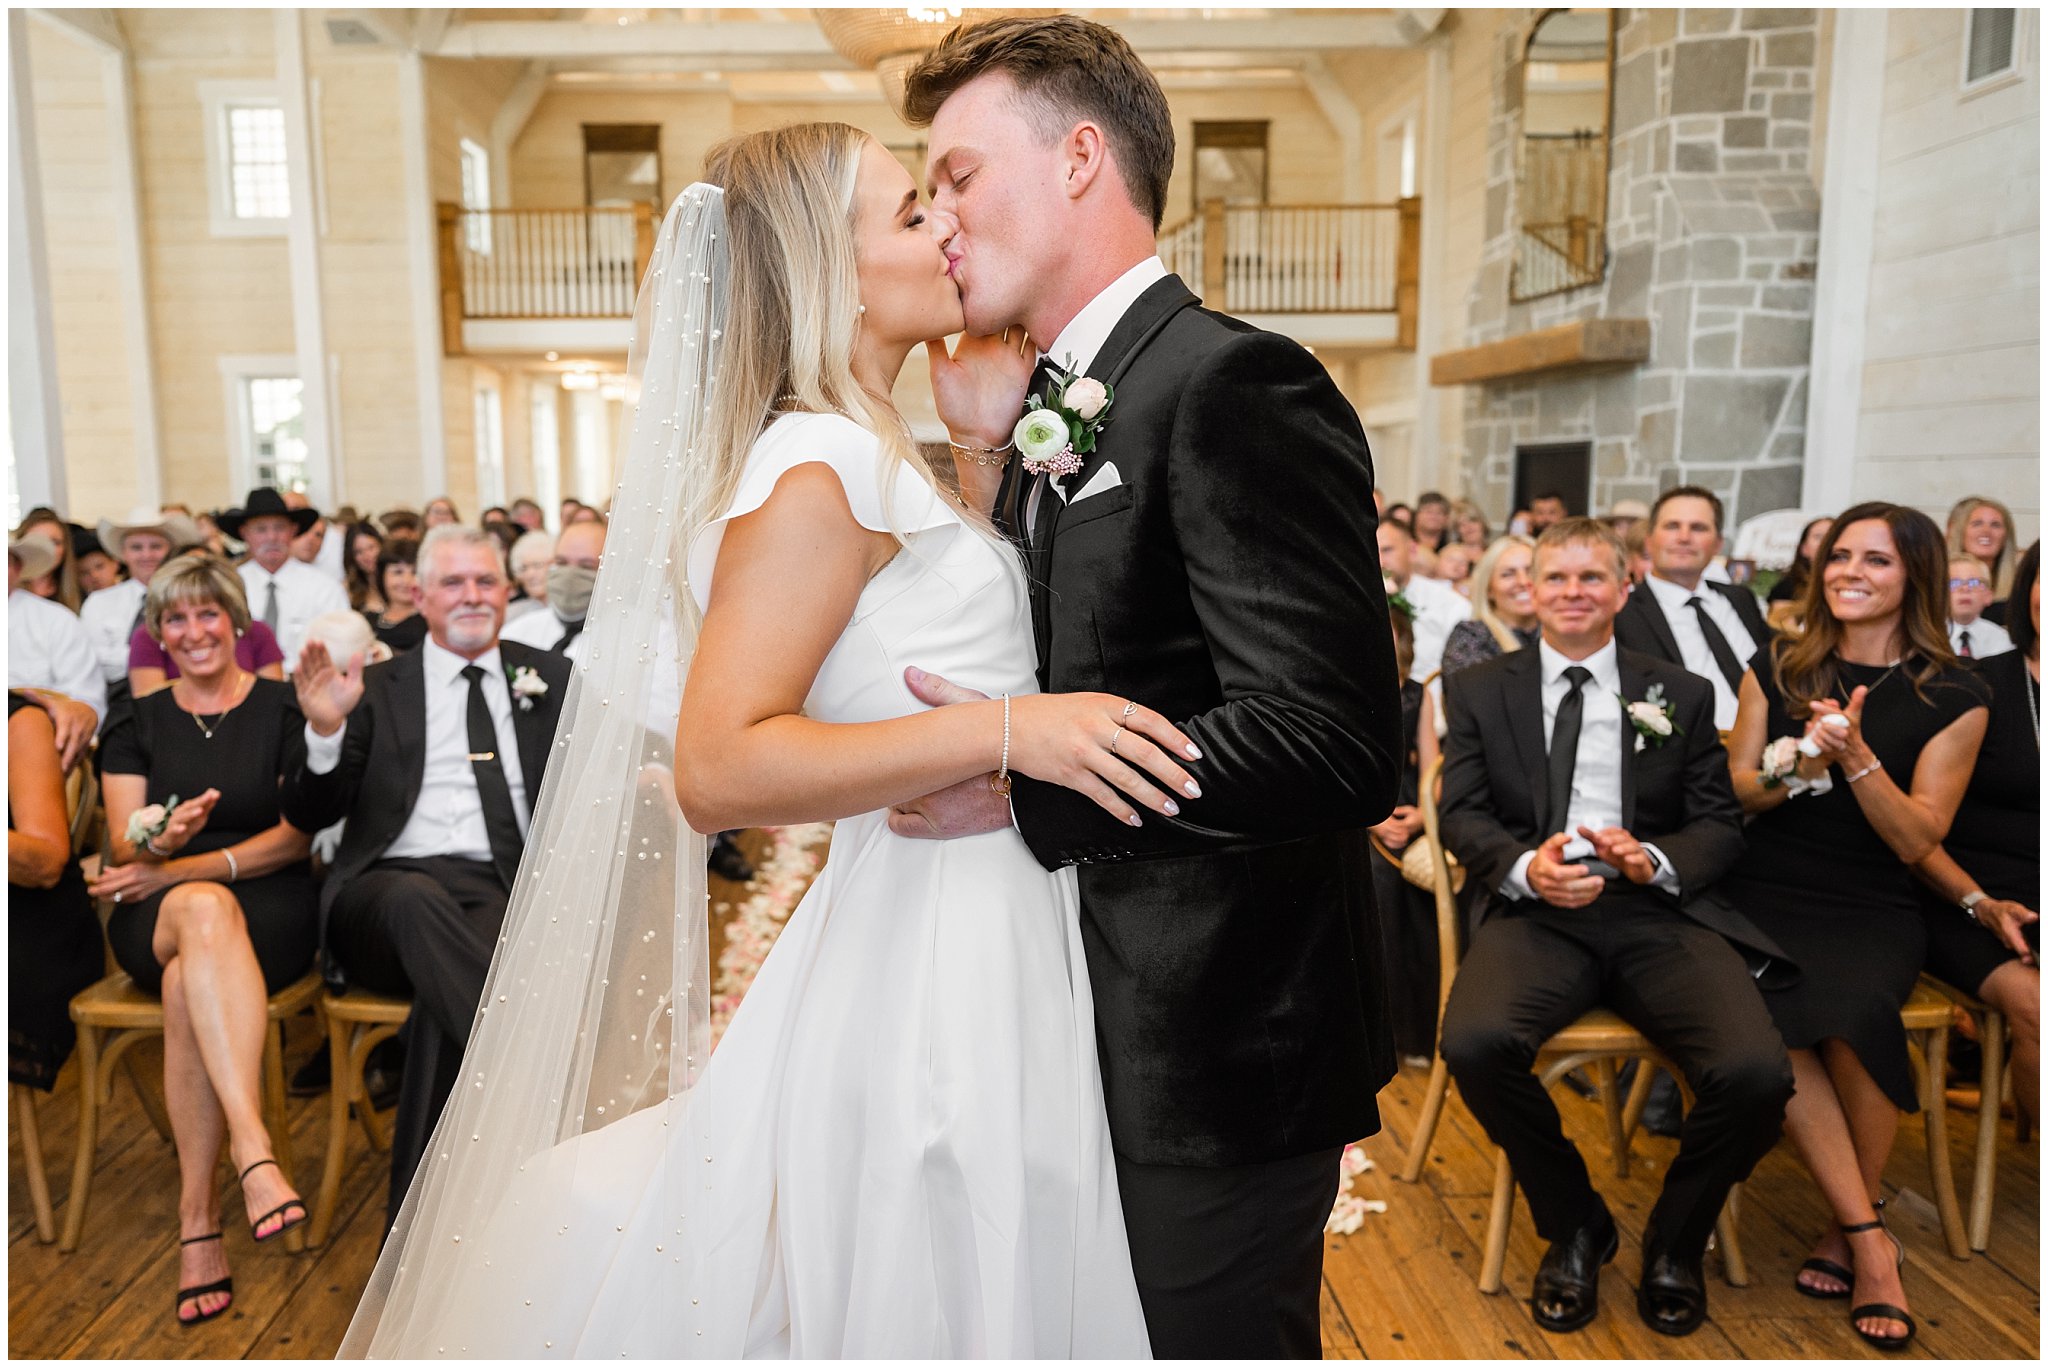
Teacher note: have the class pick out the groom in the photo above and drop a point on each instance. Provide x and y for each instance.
(1214, 559)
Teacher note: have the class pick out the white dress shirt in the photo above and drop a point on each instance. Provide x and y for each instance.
(541, 631)
(47, 648)
(448, 818)
(303, 593)
(110, 617)
(1596, 769)
(1438, 608)
(1987, 638)
(1675, 600)
(1076, 347)
(329, 560)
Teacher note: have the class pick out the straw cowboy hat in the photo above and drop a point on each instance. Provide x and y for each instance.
(175, 528)
(36, 556)
(266, 503)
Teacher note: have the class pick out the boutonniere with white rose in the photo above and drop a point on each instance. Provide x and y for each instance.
(1655, 719)
(1057, 431)
(145, 824)
(527, 685)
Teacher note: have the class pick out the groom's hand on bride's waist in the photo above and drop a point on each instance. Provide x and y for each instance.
(969, 807)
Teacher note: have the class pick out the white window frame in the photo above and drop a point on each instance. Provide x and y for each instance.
(476, 230)
(235, 373)
(487, 421)
(1406, 126)
(544, 447)
(2022, 34)
(215, 97)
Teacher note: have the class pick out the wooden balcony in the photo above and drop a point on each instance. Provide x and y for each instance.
(1324, 273)
(574, 272)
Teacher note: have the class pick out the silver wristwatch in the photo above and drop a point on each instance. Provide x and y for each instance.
(1968, 902)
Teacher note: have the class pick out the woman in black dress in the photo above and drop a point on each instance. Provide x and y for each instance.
(216, 907)
(1984, 881)
(53, 939)
(1407, 913)
(1897, 721)
(399, 624)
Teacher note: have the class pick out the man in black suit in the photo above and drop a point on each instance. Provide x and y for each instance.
(1678, 615)
(1597, 830)
(1214, 558)
(435, 758)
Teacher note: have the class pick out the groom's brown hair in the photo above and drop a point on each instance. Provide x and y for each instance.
(1067, 69)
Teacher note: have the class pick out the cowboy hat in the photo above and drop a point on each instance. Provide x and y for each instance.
(176, 528)
(36, 556)
(266, 503)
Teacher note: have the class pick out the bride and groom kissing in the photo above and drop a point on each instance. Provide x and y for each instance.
(1059, 1054)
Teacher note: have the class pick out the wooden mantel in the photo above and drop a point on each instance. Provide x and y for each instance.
(1593, 343)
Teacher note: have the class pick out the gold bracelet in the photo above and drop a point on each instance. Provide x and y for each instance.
(984, 456)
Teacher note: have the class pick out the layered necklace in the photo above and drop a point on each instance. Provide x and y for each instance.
(242, 682)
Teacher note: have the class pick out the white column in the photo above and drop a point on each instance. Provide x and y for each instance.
(117, 78)
(1848, 231)
(1426, 457)
(424, 255)
(302, 245)
(35, 414)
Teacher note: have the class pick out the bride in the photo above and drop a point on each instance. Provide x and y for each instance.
(899, 1147)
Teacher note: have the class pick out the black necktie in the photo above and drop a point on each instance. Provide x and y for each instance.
(500, 821)
(1564, 745)
(1723, 653)
(1963, 643)
(570, 631)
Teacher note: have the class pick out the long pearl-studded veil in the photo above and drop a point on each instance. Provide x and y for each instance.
(597, 1002)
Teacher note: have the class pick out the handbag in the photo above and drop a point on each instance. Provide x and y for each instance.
(1417, 863)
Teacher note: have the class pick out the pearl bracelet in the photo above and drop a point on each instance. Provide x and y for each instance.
(1871, 768)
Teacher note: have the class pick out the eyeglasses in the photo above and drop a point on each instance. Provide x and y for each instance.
(1972, 583)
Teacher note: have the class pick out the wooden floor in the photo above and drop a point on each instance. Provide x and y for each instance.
(1403, 1286)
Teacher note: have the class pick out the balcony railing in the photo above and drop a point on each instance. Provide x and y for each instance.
(1302, 259)
(541, 263)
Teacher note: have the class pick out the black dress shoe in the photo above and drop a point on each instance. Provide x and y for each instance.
(1672, 1297)
(1664, 1111)
(1566, 1294)
(727, 861)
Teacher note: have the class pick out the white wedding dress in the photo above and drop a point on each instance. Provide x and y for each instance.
(899, 1148)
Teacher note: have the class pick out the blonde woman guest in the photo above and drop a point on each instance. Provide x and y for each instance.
(1983, 528)
(1470, 526)
(1503, 607)
(1897, 722)
(218, 908)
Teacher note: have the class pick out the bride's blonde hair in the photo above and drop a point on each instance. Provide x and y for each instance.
(794, 312)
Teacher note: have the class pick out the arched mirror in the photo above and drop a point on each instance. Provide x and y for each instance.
(1561, 174)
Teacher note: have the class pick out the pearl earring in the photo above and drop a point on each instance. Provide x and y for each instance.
(861, 309)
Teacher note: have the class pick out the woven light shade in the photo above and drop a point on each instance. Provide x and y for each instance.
(889, 41)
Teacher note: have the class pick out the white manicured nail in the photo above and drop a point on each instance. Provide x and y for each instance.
(1193, 789)
(1194, 751)
(1133, 820)
(1172, 808)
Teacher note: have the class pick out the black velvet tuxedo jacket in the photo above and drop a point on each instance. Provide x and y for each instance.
(376, 782)
(1677, 795)
(1231, 582)
(1642, 626)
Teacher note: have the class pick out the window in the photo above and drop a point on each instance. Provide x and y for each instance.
(1230, 162)
(1990, 46)
(266, 422)
(622, 166)
(248, 168)
(490, 448)
(476, 196)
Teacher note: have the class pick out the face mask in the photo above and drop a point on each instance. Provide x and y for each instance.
(569, 589)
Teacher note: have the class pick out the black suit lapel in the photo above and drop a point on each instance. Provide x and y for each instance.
(1634, 685)
(408, 685)
(1660, 626)
(532, 728)
(1522, 694)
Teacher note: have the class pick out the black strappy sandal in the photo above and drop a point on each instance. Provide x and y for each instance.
(281, 1210)
(1884, 1310)
(193, 1294)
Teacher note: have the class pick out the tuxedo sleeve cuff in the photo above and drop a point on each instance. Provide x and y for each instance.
(1516, 884)
(1666, 876)
(323, 753)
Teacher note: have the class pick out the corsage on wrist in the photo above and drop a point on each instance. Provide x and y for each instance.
(1781, 760)
(145, 824)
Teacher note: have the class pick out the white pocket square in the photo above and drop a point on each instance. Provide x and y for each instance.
(1105, 478)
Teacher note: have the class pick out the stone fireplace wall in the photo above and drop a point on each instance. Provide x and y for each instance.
(1712, 230)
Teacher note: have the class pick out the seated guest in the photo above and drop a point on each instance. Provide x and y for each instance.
(60, 582)
(365, 545)
(151, 667)
(527, 515)
(1625, 514)
(1792, 584)
(1401, 513)
(284, 594)
(1432, 521)
(211, 537)
(570, 507)
(572, 574)
(49, 654)
(585, 513)
(402, 524)
(1407, 914)
(1503, 611)
(399, 625)
(496, 513)
(214, 901)
(1454, 567)
(320, 545)
(440, 513)
(112, 616)
(1983, 528)
(1970, 634)
(1435, 606)
(1678, 615)
(531, 556)
(436, 766)
(96, 569)
(1544, 510)
(1983, 915)
(1638, 559)
(1894, 721)
(53, 939)
(1473, 533)
(1599, 831)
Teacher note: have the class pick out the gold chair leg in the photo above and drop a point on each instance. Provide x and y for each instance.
(1605, 1077)
(1495, 1258)
(1990, 1094)
(338, 1088)
(1940, 1174)
(275, 1121)
(1425, 1125)
(1733, 1266)
(368, 1038)
(29, 1132)
(89, 1085)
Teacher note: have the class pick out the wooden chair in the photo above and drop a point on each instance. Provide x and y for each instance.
(1993, 1081)
(357, 1022)
(1599, 1040)
(113, 1016)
